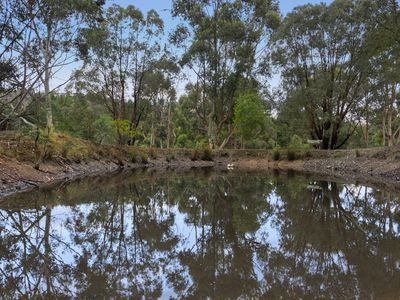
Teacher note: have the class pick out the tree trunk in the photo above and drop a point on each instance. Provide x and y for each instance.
(47, 75)
(47, 251)
(169, 125)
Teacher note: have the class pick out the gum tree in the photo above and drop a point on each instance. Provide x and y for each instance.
(321, 52)
(222, 41)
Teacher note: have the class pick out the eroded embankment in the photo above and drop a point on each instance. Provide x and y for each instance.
(22, 172)
(377, 166)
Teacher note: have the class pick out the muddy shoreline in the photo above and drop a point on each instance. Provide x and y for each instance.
(370, 166)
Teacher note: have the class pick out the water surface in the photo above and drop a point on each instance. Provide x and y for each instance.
(201, 235)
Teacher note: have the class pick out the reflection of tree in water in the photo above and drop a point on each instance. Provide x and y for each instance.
(225, 215)
(125, 242)
(331, 243)
(29, 265)
(334, 241)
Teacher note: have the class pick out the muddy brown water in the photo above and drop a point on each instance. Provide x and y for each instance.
(201, 235)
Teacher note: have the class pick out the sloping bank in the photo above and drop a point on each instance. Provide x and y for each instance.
(22, 168)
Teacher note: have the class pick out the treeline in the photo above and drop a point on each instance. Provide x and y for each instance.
(338, 67)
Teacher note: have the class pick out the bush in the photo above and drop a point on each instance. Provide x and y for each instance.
(291, 155)
(276, 155)
(296, 142)
(183, 141)
(358, 154)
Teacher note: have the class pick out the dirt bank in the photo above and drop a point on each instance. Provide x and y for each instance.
(377, 166)
(369, 166)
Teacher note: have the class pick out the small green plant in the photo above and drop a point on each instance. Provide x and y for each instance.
(276, 155)
(291, 155)
(207, 155)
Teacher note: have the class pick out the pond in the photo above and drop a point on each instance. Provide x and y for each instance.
(201, 235)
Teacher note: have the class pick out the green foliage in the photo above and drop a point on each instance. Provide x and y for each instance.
(297, 143)
(250, 115)
(124, 92)
(183, 141)
(124, 130)
(104, 130)
(323, 88)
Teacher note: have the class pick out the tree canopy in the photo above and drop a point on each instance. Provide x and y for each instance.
(231, 73)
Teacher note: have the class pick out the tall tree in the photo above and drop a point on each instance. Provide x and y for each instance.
(320, 50)
(122, 51)
(383, 40)
(222, 40)
(55, 33)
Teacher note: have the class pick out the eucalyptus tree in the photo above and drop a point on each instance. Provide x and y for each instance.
(383, 40)
(16, 80)
(55, 34)
(38, 38)
(221, 41)
(321, 52)
(122, 50)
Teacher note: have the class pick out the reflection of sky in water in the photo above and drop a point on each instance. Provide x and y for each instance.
(358, 201)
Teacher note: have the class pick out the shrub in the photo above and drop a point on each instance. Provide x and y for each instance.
(296, 142)
(182, 141)
(358, 154)
(276, 155)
